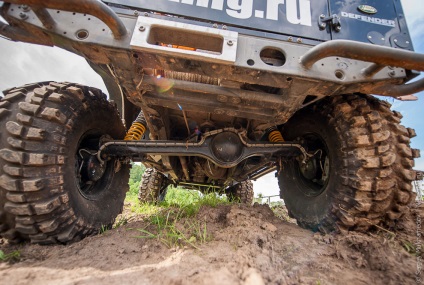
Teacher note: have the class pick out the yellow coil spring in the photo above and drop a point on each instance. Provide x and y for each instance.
(135, 132)
(275, 137)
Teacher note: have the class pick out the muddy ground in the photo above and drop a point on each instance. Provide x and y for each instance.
(242, 245)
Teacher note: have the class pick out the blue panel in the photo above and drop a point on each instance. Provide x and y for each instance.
(298, 18)
(371, 21)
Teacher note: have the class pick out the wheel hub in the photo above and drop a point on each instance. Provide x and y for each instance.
(309, 169)
(314, 172)
(90, 169)
(92, 175)
(94, 170)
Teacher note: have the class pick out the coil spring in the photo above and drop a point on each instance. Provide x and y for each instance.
(135, 132)
(137, 129)
(275, 136)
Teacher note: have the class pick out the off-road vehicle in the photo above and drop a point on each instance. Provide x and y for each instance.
(209, 94)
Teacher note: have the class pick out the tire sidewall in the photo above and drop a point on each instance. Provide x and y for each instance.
(311, 211)
(101, 209)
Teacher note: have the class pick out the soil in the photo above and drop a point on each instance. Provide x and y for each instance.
(244, 245)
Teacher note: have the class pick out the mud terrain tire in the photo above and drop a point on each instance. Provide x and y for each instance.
(241, 192)
(369, 165)
(152, 186)
(44, 126)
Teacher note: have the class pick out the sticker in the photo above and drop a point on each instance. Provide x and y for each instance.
(298, 12)
(368, 19)
(367, 9)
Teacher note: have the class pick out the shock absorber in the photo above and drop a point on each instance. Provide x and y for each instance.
(137, 129)
(274, 135)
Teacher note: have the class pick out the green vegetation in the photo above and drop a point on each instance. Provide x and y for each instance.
(13, 256)
(103, 229)
(410, 247)
(136, 174)
(170, 228)
(189, 202)
(122, 221)
(171, 221)
(258, 199)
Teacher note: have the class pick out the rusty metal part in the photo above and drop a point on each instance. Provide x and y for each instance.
(201, 149)
(372, 69)
(44, 16)
(231, 94)
(184, 165)
(379, 56)
(186, 122)
(261, 171)
(220, 100)
(399, 90)
(365, 52)
(18, 34)
(186, 184)
(91, 7)
(213, 171)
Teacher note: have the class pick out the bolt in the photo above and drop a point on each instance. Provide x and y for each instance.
(215, 25)
(322, 16)
(392, 73)
(136, 13)
(25, 8)
(23, 16)
(338, 29)
(407, 42)
(395, 40)
(224, 27)
(142, 29)
(236, 100)
(290, 39)
(369, 37)
(146, 14)
(230, 43)
(222, 98)
(299, 40)
(322, 26)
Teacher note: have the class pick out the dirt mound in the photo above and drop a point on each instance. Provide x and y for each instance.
(245, 245)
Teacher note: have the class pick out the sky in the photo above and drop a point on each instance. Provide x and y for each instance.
(25, 63)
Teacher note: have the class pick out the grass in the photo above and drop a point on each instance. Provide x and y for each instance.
(410, 247)
(189, 202)
(172, 229)
(121, 222)
(103, 229)
(13, 256)
(171, 221)
(165, 229)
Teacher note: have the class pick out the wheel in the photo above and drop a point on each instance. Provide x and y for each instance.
(153, 186)
(52, 188)
(361, 172)
(241, 192)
